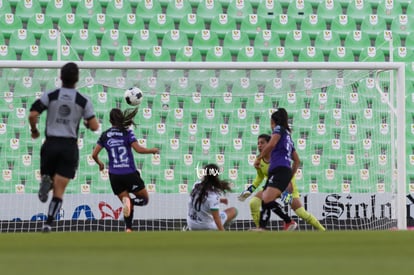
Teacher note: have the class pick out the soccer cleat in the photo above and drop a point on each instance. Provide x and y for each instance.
(46, 228)
(246, 193)
(45, 186)
(290, 226)
(126, 203)
(128, 230)
(286, 197)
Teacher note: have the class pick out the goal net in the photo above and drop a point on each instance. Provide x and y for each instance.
(348, 122)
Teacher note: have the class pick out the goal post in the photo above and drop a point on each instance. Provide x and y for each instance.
(353, 193)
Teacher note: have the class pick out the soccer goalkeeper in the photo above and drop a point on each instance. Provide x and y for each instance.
(256, 201)
(292, 198)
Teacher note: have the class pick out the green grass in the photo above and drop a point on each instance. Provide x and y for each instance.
(212, 253)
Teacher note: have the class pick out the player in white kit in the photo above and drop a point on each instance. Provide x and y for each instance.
(204, 204)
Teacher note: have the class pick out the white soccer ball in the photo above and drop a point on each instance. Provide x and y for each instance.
(133, 96)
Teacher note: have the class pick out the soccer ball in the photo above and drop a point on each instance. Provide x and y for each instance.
(133, 96)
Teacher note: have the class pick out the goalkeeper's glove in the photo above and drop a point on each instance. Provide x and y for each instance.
(246, 193)
(286, 197)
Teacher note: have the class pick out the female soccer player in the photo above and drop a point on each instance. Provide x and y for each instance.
(281, 170)
(123, 175)
(295, 202)
(205, 198)
(256, 201)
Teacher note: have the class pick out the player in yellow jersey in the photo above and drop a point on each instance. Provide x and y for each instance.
(292, 198)
(256, 201)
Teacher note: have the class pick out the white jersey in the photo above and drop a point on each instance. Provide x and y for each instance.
(203, 219)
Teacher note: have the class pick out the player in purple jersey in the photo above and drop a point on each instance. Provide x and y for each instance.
(119, 141)
(281, 170)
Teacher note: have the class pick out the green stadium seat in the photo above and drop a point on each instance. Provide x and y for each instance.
(373, 25)
(357, 41)
(341, 54)
(265, 41)
(214, 86)
(161, 24)
(174, 40)
(358, 10)
(298, 10)
(144, 40)
(66, 53)
(87, 9)
(26, 9)
(188, 53)
(96, 53)
(178, 9)
(5, 7)
(312, 25)
(209, 9)
(269, 10)
(297, 40)
(34, 52)
(327, 40)
(99, 24)
(382, 41)
(402, 25)
(311, 54)
(7, 53)
(191, 24)
(148, 9)
(253, 25)
(222, 24)
(57, 9)
(371, 54)
(157, 53)
(280, 54)
(390, 10)
(20, 39)
(130, 24)
(127, 53)
(219, 54)
(229, 77)
(48, 40)
(9, 23)
(70, 24)
(329, 10)
(113, 40)
(113, 79)
(43, 76)
(262, 77)
(249, 54)
(235, 41)
(38, 24)
(343, 25)
(282, 24)
(239, 10)
(117, 9)
(82, 40)
(205, 40)
(241, 88)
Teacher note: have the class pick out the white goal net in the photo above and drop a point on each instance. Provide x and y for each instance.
(348, 123)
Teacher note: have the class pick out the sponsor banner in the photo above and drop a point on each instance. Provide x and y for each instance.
(174, 206)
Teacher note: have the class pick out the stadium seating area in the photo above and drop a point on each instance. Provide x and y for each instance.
(195, 129)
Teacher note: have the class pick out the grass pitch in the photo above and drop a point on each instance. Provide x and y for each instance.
(212, 253)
